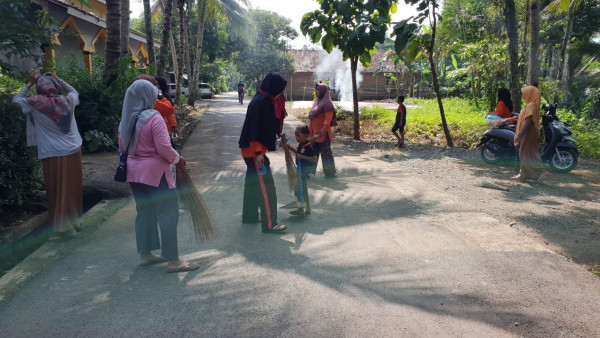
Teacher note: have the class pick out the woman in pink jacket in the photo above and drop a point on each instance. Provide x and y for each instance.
(150, 177)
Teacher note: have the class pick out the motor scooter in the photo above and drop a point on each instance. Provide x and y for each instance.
(559, 149)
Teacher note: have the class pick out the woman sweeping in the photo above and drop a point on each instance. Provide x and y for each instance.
(143, 130)
(322, 117)
(527, 134)
(52, 128)
(264, 119)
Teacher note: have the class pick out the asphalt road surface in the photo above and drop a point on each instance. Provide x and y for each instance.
(384, 254)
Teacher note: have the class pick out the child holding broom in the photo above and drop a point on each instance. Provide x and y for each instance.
(400, 121)
(306, 160)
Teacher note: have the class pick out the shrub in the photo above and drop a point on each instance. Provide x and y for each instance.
(99, 111)
(19, 167)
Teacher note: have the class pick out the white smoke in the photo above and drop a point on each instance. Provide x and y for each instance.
(333, 69)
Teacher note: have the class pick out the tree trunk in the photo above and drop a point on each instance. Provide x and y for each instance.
(524, 42)
(166, 33)
(566, 69)
(353, 68)
(193, 85)
(566, 39)
(533, 74)
(434, 78)
(173, 56)
(149, 34)
(510, 14)
(113, 40)
(182, 48)
(124, 28)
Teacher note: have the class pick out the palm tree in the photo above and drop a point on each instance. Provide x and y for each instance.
(149, 36)
(182, 46)
(124, 28)
(533, 74)
(113, 34)
(510, 13)
(166, 34)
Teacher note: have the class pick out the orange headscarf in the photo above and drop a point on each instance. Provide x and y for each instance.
(533, 104)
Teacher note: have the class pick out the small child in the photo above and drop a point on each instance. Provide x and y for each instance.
(306, 160)
(400, 121)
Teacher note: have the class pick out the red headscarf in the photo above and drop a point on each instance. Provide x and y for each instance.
(50, 103)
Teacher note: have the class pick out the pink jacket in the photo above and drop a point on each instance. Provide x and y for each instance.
(153, 155)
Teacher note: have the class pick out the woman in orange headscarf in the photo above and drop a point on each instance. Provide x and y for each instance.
(527, 134)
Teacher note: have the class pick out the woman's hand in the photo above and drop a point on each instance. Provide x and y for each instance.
(260, 161)
(53, 75)
(34, 74)
(181, 164)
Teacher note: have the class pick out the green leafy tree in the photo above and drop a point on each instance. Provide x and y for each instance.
(354, 27)
(22, 31)
(407, 35)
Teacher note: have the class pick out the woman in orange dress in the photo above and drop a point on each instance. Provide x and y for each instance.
(322, 118)
(527, 134)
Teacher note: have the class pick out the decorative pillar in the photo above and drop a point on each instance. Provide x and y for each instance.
(49, 57)
(87, 60)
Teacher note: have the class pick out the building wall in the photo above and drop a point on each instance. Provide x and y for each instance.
(301, 86)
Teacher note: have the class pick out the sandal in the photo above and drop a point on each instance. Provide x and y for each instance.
(185, 267)
(298, 212)
(277, 228)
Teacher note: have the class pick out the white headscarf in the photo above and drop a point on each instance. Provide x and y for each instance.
(140, 98)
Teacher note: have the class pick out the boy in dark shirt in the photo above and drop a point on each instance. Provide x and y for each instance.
(306, 160)
(400, 121)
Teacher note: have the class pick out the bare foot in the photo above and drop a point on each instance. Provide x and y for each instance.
(517, 178)
(149, 259)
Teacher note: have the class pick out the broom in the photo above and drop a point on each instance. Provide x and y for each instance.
(290, 165)
(204, 226)
(292, 174)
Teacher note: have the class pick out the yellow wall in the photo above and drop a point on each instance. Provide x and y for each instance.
(98, 8)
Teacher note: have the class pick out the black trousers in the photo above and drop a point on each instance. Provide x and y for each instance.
(259, 192)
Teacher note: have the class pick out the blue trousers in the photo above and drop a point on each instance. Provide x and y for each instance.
(156, 205)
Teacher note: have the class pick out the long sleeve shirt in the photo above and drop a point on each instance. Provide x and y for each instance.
(153, 155)
(44, 133)
(316, 125)
(167, 111)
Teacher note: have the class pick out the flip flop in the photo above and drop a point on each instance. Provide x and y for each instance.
(297, 212)
(185, 267)
(157, 260)
(277, 228)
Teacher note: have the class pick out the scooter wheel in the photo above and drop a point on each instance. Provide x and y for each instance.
(564, 160)
(488, 156)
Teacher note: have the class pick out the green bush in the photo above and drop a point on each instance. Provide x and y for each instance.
(99, 111)
(19, 167)
(586, 131)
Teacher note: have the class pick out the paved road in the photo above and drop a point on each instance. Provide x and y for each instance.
(383, 254)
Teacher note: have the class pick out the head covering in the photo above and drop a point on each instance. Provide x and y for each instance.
(147, 78)
(533, 104)
(323, 104)
(273, 85)
(139, 99)
(50, 103)
(162, 84)
(504, 96)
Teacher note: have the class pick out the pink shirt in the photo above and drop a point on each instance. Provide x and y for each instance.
(153, 155)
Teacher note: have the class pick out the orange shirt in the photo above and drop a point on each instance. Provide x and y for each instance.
(166, 110)
(255, 147)
(315, 126)
(502, 110)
